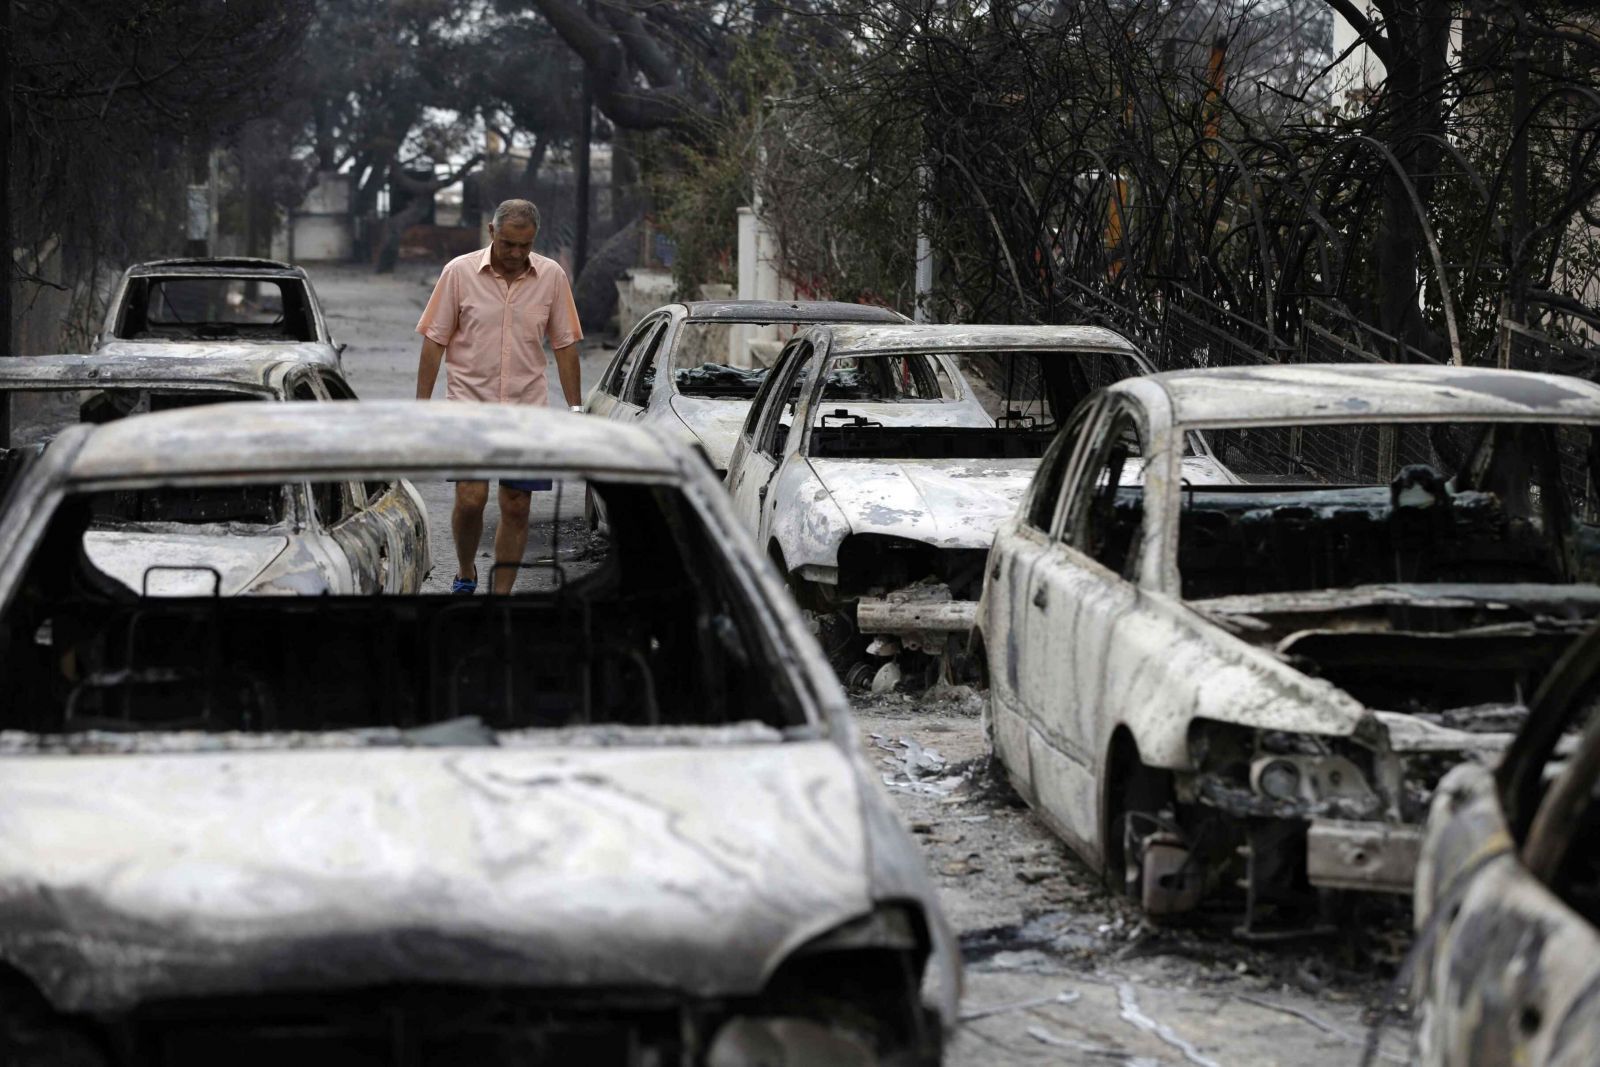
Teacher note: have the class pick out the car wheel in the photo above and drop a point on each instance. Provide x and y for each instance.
(1136, 795)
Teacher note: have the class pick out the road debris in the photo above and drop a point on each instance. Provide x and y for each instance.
(1045, 1037)
(1317, 1021)
(1063, 997)
(1135, 1016)
(917, 769)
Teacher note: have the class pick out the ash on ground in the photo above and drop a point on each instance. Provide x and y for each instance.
(1061, 970)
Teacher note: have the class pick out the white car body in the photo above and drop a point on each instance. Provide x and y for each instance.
(643, 382)
(691, 862)
(304, 334)
(1109, 687)
(359, 539)
(806, 509)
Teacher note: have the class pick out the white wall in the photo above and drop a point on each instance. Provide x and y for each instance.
(1361, 70)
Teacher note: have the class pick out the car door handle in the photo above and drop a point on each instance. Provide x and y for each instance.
(1041, 596)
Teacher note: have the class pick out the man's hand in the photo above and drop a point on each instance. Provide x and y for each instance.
(571, 375)
(428, 368)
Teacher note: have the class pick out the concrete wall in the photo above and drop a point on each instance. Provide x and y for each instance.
(760, 278)
(316, 237)
(321, 227)
(640, 291)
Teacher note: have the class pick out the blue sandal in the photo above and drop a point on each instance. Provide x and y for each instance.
(464, 586)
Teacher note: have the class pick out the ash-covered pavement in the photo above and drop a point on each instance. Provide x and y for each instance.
(1058, 970)
(1061, 971)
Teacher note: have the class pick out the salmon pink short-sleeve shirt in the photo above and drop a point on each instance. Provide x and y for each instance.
(494, 330)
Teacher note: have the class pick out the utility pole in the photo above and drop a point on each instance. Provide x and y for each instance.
(580, 253)
(197, 200)
(923, 285)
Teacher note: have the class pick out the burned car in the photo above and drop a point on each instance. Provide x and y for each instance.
(355, 537)
(212, 307)
(1507, 956)
(618, 817)
(877, 461)
(692, 369)
(1259, 685)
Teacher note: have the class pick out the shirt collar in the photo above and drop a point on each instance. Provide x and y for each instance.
(485, 264)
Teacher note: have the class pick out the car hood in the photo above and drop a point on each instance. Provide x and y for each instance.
(696, 870)
(301, 351)
(947, 503)
(715, 423)
(187, 562)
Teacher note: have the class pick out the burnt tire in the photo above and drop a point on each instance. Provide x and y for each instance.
(841, 642)
(1132, 789)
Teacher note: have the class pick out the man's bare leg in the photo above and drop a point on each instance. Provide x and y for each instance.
(511, 536)
(466, 524)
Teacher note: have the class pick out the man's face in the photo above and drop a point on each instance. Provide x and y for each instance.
(511, 242)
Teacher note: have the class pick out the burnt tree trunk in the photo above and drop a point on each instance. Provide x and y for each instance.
(392, 229)
(595, 290)
(1417, 68)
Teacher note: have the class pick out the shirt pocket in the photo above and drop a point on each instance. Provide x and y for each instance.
(535, 318)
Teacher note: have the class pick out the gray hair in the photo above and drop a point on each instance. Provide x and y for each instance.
(516, 211)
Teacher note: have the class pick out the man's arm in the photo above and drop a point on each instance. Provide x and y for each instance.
(437, 326)
(428, 367)
(571, 376)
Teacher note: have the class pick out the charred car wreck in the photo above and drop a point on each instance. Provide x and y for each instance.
(339, 538)
(877, 461)
(691, 369)
(217, 307)
(1507, 956)
(619, 818)
(1204, 687)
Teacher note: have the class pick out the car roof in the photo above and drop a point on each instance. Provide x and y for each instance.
(945, 337)
(1366, 392)
(385, 435)
(239, 265)
(796, 311)
(24, 371)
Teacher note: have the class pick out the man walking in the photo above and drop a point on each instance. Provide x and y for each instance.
(489, 319)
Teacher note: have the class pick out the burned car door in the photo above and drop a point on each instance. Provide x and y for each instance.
(1081, 589)
(603, 399)
(339, 517)
(1012, 572)
(614, 397)
(767, 440)
(654, 369)
(380, 530)
(340, 506)
(1509, 950)
(385, 515)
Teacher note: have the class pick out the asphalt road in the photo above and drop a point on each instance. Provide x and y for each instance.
(1057, 970)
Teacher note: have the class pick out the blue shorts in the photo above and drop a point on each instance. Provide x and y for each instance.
(527, 485)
